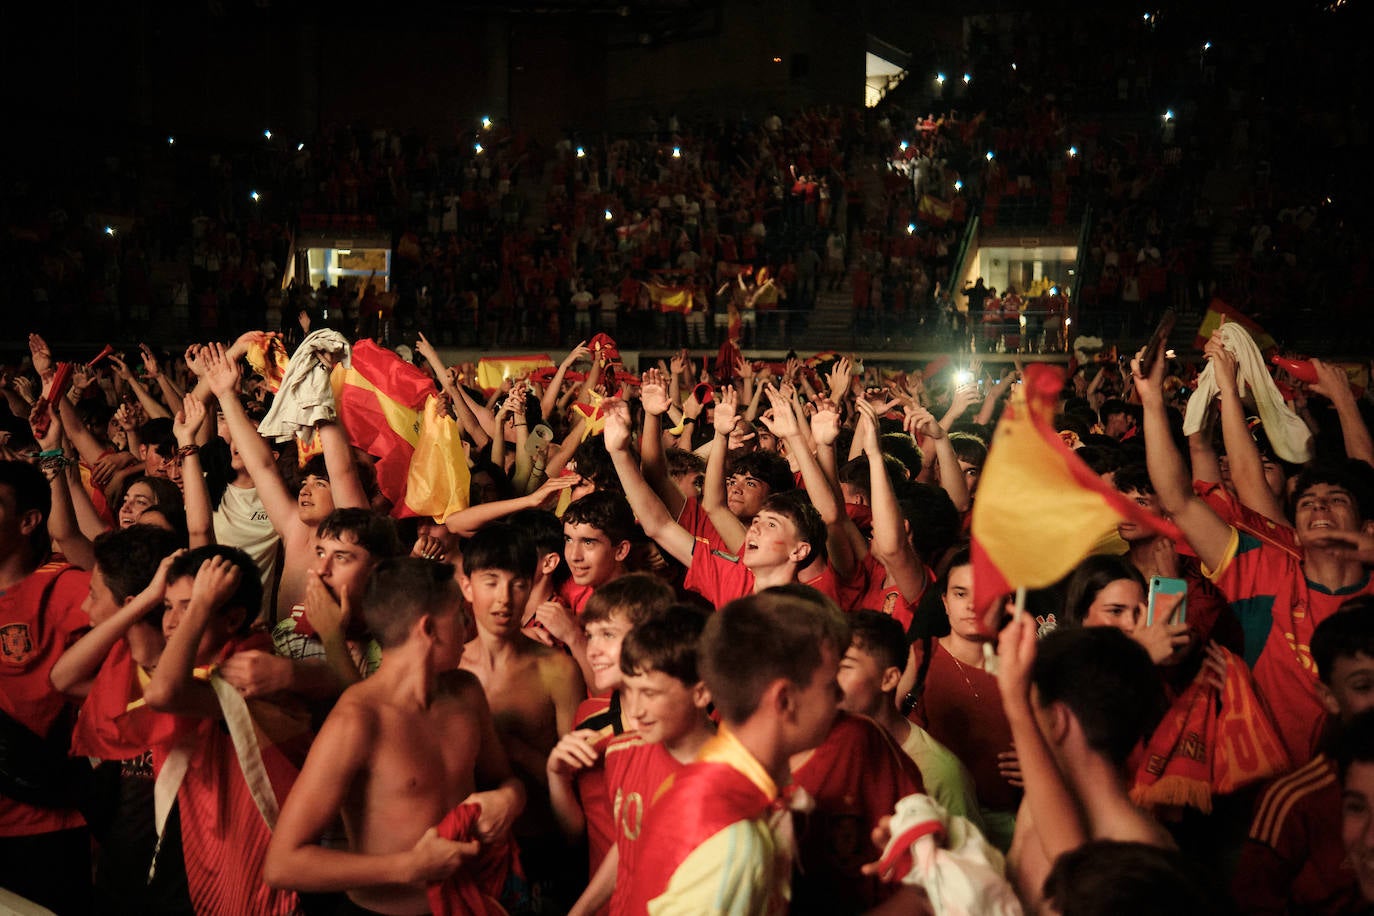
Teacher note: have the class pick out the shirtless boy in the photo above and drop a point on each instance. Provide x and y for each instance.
(399, 751)
(533, 690)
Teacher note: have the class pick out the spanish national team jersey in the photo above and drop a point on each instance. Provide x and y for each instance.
(637, 773)
(601, 715)
(708, 846)
(1278, 608)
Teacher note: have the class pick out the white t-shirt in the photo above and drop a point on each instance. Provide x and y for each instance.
(242, 522)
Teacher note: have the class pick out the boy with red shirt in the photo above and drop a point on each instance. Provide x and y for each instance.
(716, 840)
(1279, 599)
(666, 702)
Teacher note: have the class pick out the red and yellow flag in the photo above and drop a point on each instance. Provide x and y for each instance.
(493, 370)
(1040, 510)
(933, 210)
(670, 298)
(1217, 312)
(380, 399)
(438, 481)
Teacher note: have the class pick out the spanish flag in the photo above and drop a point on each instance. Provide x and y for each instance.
(493, 370)
(933, 210)
(438, 481)
(380, 397)
(670, 298)
(1217, 312)
(1040, 510)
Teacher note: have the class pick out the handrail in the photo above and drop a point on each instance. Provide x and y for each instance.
(957, 268)
(1083, 233)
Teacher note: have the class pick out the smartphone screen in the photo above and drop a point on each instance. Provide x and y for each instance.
(1162, 586)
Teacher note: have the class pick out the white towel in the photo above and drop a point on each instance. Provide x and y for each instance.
(1288, 434)
(305, 397)
(962, 874)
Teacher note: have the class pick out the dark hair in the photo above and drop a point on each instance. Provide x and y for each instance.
(635, 596)
(607, 511)
(164, 492)
(795, 506)
(1113, 878)
(594, 463)
(859, 476)
(155, 432)
(668, 642)
(1133, 477)
(1355, 743)
(1113, 406)
(1352, 475)
(544, 531)
(369, 530)
(400, 591)
(128, 557)
(753, 641)
(902, 447)
(1092, 575)
(764, 466)
(880, 636)
(1345, 634)
(680, 461)
(30, 492)
(173, 515)
(1107, 681)
(247, 597)
(504, 489)
(969, 448)
(499, 546)
(935, 523)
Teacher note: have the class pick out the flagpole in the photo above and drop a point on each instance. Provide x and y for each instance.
(989, 650)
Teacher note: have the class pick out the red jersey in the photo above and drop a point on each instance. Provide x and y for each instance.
(706, 844)
(575, 596)
(1278, 608)
(717, 576)
(855, 777)
(601, 715)
(40, 617)
(960, 707)
(1293, 859)
(636, 773)
(1233, 512)
(697, 521)
(869, 588)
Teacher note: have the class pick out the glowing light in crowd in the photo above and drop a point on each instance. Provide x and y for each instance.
(109, 230)
(902, 146)
(171, 141)
(1054, 290)
(940, 78)
(963, 377)
(910, 228)
(267, 134)
(477, 148)
(1206, 46)
(581, 153)
(1169, 115)
(677, 152)
(299, 147)
(968, 77)
(777, 60)
(1073, 151)
(486, 122)
(958, 185)
(1013, 65)
(991, 155)
(254, 196)
(609, 216)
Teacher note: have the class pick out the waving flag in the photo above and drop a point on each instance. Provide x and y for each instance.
(1217, 312)
(493, 370)
(933, 211)
(1040, 510)
(438, 480)
(669, 298)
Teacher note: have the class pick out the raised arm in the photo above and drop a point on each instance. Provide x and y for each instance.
(63, 527)
(466, 419)
(1206, 532)
(174, 687)
(653, 395)
(653, 515)
(151, 405)
(919, 420)
(466, 522)
(344, 482)
(713, 497)
(891, 544)
(549, 401)
(1333, 383)
(171, 394)
(1243, 457)
(186, 426)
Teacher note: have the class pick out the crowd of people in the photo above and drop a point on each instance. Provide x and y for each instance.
(699, 637)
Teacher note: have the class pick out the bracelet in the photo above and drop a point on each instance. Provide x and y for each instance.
(187, 451)
(52, 453)
(57, 462)
(686, 420)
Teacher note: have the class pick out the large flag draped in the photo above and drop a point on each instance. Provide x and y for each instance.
(382, 405)
(493, 370)
(1040, 510)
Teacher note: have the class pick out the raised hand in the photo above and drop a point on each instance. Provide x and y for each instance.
(1223, 363)
(841, 375)
(616, 432)
(188, 420)
(215, 582)
(150, 364)
(653, 393)
(578, 352)
(426, 350)
(41, 355)
(825, 424)
(782, 420)
(726, 415)
(221, 371)
(921, 423)
(192, 356)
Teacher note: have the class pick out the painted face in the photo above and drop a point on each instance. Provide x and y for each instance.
(958, 599)
(342, 563)
(1116, 605)
(745, 495)
(314, 501)
(662, 708)
(604, 638)
(590, 555)
(139, 498)
(770, 541)
(498, 598)
(1357, 824)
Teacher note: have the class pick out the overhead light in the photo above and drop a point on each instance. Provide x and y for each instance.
(486, 122)
(1169, 115)
(581, 153)
(1073, 151)
(1206, 46)
(958, 184)
(267, 134)
(109, 230)
(777, 60)
(940, 78)
(677, 152)
(991, 155)
(477, 148)
(609, 216)
(343, 250)
(171, 141)
(910, 228)
(299, 147)
(968, 77)
(255, 196)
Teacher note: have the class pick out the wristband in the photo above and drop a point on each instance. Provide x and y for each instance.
(686, 420)
(52, 453)
(187, 451)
